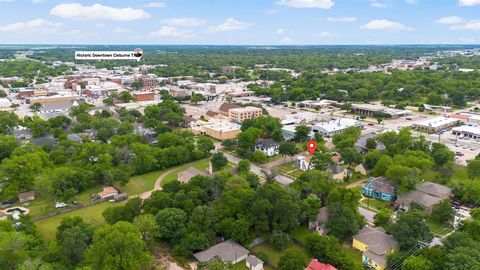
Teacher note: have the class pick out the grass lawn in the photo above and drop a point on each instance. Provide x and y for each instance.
(289, 169)
(459, 174)
(438, 229)
(374, 204)
(274, 255)
(354, 254)
(300, 234)
(200, 165)
(140, 183)
(91, 214)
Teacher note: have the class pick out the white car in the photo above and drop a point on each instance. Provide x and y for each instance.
(60, 205)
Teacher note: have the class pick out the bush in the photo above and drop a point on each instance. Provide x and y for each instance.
(259, 157)
(280, 240)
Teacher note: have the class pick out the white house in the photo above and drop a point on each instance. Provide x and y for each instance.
(267, 146)
(303, 163)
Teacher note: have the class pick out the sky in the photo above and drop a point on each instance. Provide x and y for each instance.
(240, 22)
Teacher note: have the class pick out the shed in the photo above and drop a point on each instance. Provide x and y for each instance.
(26, 196)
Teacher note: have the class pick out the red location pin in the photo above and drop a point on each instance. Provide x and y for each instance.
(311, 146)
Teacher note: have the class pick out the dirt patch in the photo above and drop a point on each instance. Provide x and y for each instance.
(163, 260)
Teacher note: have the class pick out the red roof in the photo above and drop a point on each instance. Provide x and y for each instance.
(316, 265)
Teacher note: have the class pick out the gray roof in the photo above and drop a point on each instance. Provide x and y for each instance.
(227, 251)
(74, 138)
(426, 194)
(45, 140)
(382, 184)
(376, 239)
(253, 260)
(434, 189)
(266, 143)
(336, 168)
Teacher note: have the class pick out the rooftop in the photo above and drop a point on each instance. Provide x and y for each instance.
(437, 122)
(227, 251)
(338, 124)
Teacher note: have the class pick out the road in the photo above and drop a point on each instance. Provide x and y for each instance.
(253, 167)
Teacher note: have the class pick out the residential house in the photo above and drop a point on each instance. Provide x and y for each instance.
(26, 196)
(268, 146)
(361, 169)
(120, 197)
(254, 263)
(427, 194)
(376, 245)
(303, 162)
(189, 173)
(316, 265)
(46, 140)
(339, 172)
(380, 188)
(22, 133)
(74, 138)
(319, 225)
(108, 192)
(227, 251)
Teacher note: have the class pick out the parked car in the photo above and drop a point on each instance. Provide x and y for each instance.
(60, 205)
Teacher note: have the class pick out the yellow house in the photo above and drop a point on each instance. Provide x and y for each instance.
(375, 244)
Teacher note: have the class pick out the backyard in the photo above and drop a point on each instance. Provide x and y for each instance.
(289, 169)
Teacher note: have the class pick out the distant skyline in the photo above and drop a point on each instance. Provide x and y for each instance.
(240, 22)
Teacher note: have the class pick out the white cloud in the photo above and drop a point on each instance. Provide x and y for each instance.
(280, 31)
(386, 25)
(184, 22)
(100, 25)
(411, 2)
(325, 4)
(325, 34)
(377, 4)
(170, 31)
(342, 19)
(121, 30)
(470, 25)
(449, 20)
(6, 1)
(38, 1)
(286, 40)
(155, 5)
(468, 3)
(27, 25)
(229, 25)
(78, 11)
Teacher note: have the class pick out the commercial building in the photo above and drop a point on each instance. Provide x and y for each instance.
(143, 96)
(217, 129)
(226, 107)
(435, 124)
(373, 110)
(467, 117)
(242, 114)
(330, 128)
(467, 131)
(313, 104)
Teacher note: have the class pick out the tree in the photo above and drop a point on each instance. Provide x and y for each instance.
(148, 227)
(347, 138)
(171, 222)
(73, 237)
(441, 154)
(293, 259)
(35, 107)
(243, 166)
(442, 212)
(219, 161)
(473, 168)
(371, 144)
(280, 240)
(7, 145)
(205, 145)
(196, 98)
(416, 263)
(247, 139)
(287, 149)
(327, 249)
(321, 160)
(463, 258)
(383, 217)
(410, 228)
(259, 157)
(351, 156)
(118, 246)
(125, 96)
(343, 217)
(302, 133)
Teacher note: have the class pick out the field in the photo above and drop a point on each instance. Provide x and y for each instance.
(92, 214)
(200, 165)
(289, 169)
(272, 254)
